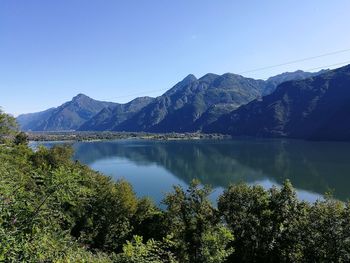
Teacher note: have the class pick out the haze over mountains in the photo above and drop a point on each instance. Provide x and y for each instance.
(297, 104)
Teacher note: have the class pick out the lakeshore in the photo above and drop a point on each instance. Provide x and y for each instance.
(106, 135)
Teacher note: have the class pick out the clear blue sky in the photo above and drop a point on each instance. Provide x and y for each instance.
(53, 50)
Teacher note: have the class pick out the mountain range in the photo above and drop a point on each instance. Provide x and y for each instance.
(316, 108)
(69, 116)
(188, 106)
(293, 104)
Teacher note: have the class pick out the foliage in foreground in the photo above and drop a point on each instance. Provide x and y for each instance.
(53, 209)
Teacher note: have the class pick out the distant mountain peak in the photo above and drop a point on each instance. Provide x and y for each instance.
(229, 74)
(189, 78)
(80, 96)
(69, 116)
(209, 77)
(295, 75)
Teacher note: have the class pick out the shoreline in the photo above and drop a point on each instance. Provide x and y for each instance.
(104, 135)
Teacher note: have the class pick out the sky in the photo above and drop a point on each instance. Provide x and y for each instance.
(117, 50)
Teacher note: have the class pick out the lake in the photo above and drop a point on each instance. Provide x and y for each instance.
(153, 167)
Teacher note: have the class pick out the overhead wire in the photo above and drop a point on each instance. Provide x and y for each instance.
(256, 69)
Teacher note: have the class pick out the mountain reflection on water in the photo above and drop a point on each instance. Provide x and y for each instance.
(153, 166)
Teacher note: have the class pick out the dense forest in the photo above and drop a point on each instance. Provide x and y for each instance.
(54, 209)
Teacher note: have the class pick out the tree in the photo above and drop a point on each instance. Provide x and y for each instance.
(215, 244)
(246, 211)
(54, 157)
(268, 224)
(328, 232)
(195, 225)
(8, 126)
(21, 138)
(288, 220)
(106, 222)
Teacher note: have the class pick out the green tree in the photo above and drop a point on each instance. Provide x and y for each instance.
(328, 235)
(195, 225)
(149, 221)
(8, 126)
(288, 220)
(21, 138)
(44, 197)
(246, 211)
(106, 222)
(54, 157)
(215, 244)
(267, 224)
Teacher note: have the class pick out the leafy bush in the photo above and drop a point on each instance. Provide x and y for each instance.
(152, 251)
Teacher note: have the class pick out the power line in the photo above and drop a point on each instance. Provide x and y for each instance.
(259, 69)
(296, 61)
(332, 65)
(323, 67)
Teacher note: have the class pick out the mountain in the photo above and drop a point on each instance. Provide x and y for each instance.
(69, 116)
(314, 108)
(110, 117)
(273, 82)
(194, 103)
(187, 107)
(212, 114)
(179, 108)
(29, 121)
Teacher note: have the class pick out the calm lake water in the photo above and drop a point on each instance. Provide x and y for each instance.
(152, 167)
